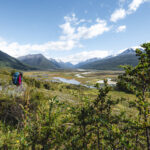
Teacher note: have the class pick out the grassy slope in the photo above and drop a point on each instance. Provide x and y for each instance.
(69, 94)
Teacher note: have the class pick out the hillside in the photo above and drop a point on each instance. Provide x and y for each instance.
(128, 57)
(88, 61)
(8, 61)
(61, 64)
(38, 61)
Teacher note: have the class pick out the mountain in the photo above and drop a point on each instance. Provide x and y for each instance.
(128, 57)
(62, 65)
(67, 65)
(11, 62)
(55, 62)
(108, 63)
(38, 61)
(128, 51)
(86, 62)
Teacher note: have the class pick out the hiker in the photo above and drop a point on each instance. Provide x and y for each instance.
(17, 78)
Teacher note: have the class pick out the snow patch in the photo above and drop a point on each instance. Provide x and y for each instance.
(79, 76)
(109, 82)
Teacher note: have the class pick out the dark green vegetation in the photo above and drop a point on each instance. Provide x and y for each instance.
(112, 63)
(49, 115)
(10, 62)
(39, 61)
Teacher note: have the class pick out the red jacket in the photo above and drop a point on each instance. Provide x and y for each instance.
(19, 80)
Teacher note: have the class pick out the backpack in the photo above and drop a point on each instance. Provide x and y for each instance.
(15, 78)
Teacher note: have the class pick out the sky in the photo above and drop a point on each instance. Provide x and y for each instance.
(73, 30)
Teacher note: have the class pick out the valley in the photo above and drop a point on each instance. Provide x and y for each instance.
(66, 85)
(89, 77)
(74, 75)
(57, 105)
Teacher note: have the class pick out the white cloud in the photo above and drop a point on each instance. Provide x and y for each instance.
(94, 30)
(134, 5)
(73, 19)
(67, 29)
(72, 32)
(82, 56)
(122, 13)
(117, 15)
(15, 49)
(121, 28)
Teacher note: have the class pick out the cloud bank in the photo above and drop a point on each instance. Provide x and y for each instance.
(73, 31)
(82, 56)
(117, 15)
(15, 49)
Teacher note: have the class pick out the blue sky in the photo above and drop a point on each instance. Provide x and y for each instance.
(73, 30)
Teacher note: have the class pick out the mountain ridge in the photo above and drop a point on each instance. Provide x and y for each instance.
(11, 62)
(127, 57)
(63, 65)
(39, 61)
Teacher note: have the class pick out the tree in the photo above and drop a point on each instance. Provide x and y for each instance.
(138, 79)
(95, 126)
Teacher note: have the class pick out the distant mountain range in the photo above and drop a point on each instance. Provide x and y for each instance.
(86, 62)
(40, 62)
(61, 64)
(10, 62)
(127, 57)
